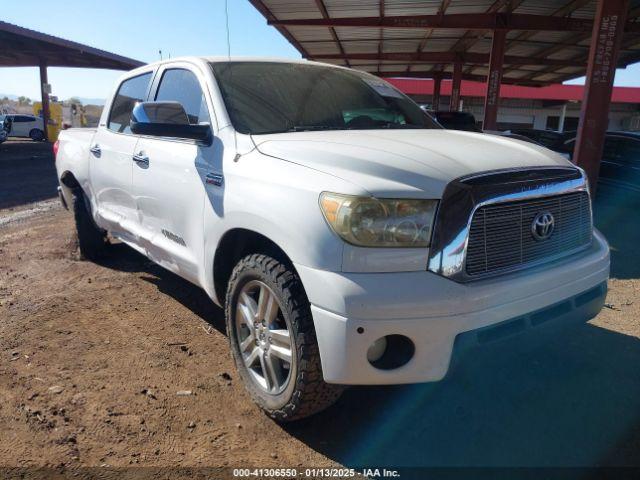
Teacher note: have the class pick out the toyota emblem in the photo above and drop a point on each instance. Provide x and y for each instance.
(542, 226)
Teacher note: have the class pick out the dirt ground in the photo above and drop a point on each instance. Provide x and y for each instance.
(92, 357)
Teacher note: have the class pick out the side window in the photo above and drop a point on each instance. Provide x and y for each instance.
(629, 151)
(131, 91)
(179, 85)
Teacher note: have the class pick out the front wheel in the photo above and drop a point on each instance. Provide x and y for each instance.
(273, 340)
(36, 135)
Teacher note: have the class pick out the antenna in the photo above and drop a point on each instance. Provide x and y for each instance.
(226, 16)
(160, 53)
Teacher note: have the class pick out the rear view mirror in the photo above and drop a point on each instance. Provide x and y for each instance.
(166, 119)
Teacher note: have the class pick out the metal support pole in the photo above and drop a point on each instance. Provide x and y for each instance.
(45, 98)
(435, 102)
(456, 81)
(496, 64)
(563, 115)
(608, 29)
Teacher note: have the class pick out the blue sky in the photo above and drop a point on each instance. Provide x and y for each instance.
(139, 28)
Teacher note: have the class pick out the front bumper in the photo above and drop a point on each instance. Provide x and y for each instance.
(351, 311)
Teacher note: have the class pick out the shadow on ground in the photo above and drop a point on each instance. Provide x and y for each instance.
(124, 259)
(27, 172)
(616, 215)
(570, 400)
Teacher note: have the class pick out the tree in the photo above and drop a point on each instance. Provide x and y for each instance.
(24, 101)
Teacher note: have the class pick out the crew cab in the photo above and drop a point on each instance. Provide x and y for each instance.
(349, 238)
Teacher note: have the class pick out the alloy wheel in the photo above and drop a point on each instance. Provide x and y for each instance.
(264, 337)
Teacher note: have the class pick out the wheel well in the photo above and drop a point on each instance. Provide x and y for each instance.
(235, 245)
(69, 180)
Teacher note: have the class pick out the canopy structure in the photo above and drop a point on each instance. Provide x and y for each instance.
(523, 42)
(22, 47)
(547, 41)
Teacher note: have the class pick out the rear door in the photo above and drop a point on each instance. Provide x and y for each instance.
(111, 162)
(169, 183)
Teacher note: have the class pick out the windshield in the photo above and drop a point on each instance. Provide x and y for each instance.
(269, 97)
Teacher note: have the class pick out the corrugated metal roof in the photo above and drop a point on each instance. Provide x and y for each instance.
(25, 47)
(338, 39)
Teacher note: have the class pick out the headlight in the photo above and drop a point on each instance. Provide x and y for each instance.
(373, 222)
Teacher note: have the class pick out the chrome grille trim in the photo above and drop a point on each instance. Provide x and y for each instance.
(500, 237)
(464, 196)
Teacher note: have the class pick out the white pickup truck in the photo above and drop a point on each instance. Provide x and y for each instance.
(350, 239)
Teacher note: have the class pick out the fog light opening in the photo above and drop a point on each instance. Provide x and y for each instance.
(392, 351)
(377, 349)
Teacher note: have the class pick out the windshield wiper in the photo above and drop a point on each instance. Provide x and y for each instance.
(309, 128)
(402, 125)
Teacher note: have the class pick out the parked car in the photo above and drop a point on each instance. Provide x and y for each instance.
(620, 163)
(349, 239)
(509, 134)
(464, 121)
(555, 141)
(20, 125)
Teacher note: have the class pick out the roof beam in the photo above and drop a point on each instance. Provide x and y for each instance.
(567, 9)
(441, 11)
(482, 21)
(451, 57)
(564, 11)
(470, 37)
(448, 75)
(266, 13)
(325, 14)
(575, 39)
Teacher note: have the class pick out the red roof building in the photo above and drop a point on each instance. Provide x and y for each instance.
(529, 107)
(412, 86)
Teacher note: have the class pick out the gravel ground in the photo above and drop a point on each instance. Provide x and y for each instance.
(92, 357)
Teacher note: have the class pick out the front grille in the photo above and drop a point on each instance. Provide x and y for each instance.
(500, 236)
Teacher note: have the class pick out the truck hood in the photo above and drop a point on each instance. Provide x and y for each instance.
(404, 163)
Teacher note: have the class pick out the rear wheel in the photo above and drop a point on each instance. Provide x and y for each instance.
(91, 238)
(36, 135)
(273, 340)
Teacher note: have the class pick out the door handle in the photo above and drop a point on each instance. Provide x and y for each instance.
(96, 150)
(141, 159)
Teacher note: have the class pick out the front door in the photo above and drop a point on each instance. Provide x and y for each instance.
(168, 179)
(112, 162)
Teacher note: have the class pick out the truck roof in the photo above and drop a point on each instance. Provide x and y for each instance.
(225, 58)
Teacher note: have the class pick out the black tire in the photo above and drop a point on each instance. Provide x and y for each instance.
(305, 393)
(36, 135)
(91, 239)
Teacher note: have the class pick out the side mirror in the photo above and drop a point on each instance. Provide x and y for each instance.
(166, 119)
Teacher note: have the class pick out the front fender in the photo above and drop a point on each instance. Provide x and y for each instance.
(278, 200)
